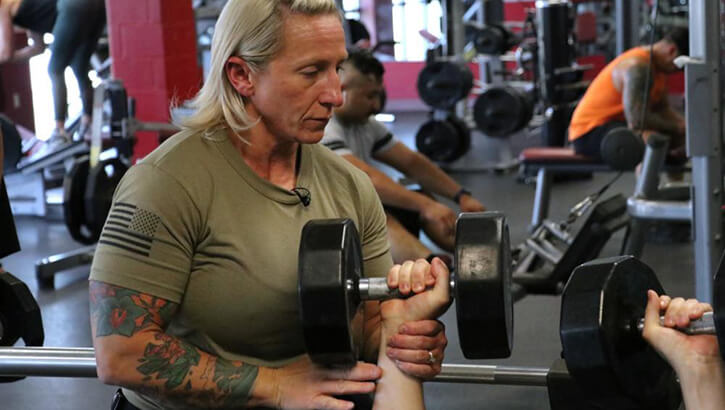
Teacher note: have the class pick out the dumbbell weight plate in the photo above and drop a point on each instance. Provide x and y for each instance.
(621, 149)
(20, 317)
(330, 265)
(501, 111)
(484, 307)
(102, 182)
(464, 135)
(74, 213)
(441, 141)
(491, 40)
(442, 84)
(604, 351)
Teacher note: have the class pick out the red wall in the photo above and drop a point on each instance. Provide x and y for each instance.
(153, 44)
(16, 95)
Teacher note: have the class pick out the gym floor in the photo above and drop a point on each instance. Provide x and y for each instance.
(536, 340)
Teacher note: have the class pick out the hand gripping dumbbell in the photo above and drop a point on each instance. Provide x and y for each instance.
(601, 326)
(332, 287)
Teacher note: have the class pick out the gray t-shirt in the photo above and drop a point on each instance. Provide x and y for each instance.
(362, 140)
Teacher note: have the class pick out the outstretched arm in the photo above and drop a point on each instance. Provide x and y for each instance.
(396, 389)
(696, 359)
(390, 192)
(430, 176)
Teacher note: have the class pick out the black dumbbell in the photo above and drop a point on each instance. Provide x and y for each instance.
(332, 287)
(601, 324)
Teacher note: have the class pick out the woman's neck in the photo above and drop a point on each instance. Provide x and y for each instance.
(270, 158)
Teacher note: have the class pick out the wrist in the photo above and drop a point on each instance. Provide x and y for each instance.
(265, 390)
(697, 370)
(703, 386)
(460, 194)
(390, 327)
(423, 202)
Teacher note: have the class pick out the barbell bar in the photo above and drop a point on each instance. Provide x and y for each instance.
(81, 362)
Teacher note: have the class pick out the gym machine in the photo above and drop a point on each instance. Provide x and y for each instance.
(702, 205)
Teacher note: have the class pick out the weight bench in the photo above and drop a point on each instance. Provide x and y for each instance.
(545, 162)
(549, 256)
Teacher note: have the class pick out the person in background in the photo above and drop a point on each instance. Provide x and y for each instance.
(616, 97)
(76, 26)
(355, 134)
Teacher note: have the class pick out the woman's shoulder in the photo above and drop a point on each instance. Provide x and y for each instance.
(333, 164)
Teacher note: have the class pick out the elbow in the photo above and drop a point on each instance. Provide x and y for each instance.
(108, 367)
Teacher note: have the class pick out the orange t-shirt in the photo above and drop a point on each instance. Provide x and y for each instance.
(602, 102)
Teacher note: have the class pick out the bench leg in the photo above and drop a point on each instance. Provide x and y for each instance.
(541, 198)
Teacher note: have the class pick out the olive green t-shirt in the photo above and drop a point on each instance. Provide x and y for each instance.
(193, 224)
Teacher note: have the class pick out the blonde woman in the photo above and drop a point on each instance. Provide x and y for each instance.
(194, 282)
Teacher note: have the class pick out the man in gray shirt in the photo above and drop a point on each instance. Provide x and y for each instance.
(354, 134)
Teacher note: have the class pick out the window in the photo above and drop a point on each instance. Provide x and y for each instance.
(409, 18)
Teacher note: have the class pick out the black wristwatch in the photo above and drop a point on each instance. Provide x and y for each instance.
(459, 194)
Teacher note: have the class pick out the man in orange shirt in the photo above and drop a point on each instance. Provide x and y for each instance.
(616, 97)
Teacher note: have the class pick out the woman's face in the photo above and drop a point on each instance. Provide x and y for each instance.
(296, 92)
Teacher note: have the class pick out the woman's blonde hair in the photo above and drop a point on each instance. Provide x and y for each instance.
(252, 30)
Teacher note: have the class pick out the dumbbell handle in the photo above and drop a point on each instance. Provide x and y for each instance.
(377, 289)
(703, 326)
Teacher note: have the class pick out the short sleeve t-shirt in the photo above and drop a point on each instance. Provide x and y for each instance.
(361, 140)
(193, 224)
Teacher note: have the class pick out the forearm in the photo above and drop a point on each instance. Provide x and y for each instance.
(432, 178)
(703, 387)
(395, 390)
(372, 331)
(660, 121)
(134, 351)
(177, 372)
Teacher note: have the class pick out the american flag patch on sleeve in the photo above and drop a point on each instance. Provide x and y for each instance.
(130, 228)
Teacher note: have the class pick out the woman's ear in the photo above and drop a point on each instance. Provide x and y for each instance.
(240, 76)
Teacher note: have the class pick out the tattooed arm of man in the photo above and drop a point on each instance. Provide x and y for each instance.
(133, 351)
(634, 79)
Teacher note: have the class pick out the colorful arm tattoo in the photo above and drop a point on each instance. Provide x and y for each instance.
(169, 368)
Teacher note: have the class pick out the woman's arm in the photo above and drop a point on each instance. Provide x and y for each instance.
(133, 351)
(696, 359)
(397, 390)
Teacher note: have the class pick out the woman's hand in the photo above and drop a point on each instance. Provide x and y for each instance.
(418, 341)
(305, 385)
